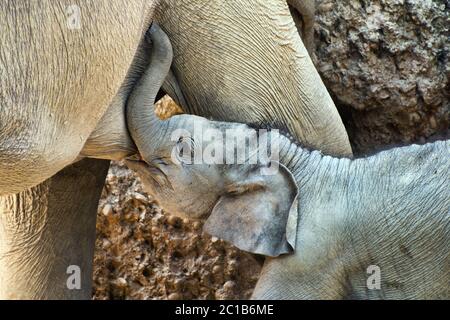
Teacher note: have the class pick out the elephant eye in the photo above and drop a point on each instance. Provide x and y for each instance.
(185, 150)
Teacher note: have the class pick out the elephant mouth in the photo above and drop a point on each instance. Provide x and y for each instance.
(135, 157)
(156, 177)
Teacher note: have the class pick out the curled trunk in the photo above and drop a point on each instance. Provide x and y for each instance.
(141, 118)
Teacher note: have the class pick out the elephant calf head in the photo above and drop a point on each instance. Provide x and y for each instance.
(247, 201)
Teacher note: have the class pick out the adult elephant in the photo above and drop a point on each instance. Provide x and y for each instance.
(57, 82)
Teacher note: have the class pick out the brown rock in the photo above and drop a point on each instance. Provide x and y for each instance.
(107, 209)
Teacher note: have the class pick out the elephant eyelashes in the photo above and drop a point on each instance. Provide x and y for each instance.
(185, 150)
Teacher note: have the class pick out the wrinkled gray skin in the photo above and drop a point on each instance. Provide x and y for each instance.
(45, 127)
(56, 83)
(337, 216)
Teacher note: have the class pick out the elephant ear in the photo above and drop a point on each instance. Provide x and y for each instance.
(258, 212)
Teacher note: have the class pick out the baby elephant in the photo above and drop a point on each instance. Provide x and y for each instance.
(370, 228)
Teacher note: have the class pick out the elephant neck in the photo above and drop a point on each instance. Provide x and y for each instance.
(309, 165)
(295, 157)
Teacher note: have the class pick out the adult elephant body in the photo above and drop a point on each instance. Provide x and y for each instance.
(246, 65)
(233, 61)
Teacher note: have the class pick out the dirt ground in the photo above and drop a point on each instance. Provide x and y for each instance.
(385, 62)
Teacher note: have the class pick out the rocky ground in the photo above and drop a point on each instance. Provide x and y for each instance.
(385, 62)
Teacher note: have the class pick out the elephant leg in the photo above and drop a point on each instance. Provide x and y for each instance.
(47, 235)
(304, 16)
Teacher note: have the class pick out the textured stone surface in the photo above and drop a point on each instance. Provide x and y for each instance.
(386, 64)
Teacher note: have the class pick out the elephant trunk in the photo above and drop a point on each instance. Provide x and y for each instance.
(141, 118)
